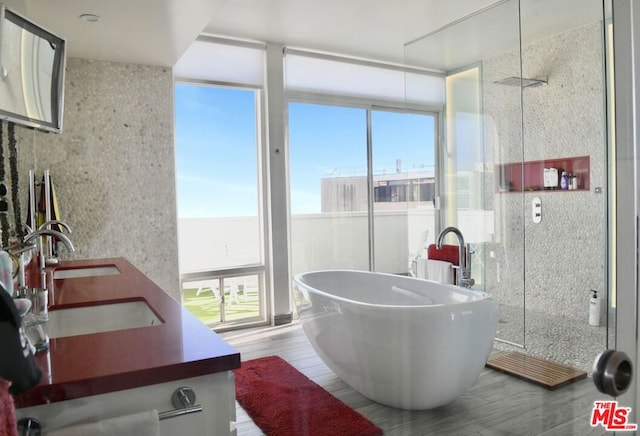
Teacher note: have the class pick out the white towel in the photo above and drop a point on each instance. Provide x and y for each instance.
(138, 424)
(421, 268)
(440, 271)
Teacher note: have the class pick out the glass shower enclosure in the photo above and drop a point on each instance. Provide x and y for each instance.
(525, 167)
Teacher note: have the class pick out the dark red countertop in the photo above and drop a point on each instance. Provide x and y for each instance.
(80, 366)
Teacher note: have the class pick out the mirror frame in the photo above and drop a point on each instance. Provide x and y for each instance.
(56, 86)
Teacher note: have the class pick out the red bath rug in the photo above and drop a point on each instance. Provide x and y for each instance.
(283, 401)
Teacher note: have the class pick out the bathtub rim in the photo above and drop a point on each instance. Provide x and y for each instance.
(478, 295)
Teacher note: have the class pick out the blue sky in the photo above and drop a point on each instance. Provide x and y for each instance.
(331, 141)
(216, 149)
(215, 152)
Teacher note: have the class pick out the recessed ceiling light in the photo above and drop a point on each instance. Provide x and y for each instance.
(91, 18)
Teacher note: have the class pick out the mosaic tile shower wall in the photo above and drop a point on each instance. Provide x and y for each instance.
(559, 260)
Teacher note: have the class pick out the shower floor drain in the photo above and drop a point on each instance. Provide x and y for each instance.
(542, 372)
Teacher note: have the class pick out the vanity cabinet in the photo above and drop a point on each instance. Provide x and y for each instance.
(214, 392)
(95, 373)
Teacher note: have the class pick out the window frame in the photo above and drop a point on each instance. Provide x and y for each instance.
(261, 268)
(371, 105)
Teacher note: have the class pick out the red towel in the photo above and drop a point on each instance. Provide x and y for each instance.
(8, 425)
(448, 253)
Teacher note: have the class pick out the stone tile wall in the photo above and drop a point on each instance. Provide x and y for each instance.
(113, 165)
(554, 263)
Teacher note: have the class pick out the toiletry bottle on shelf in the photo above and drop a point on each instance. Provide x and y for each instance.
(594, 309)
(564, 181)
(546, 178)
(553, 178)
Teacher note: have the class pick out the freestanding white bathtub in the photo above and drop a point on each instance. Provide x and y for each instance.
(404, 342)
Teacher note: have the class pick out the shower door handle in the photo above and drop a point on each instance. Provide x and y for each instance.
(612, 372)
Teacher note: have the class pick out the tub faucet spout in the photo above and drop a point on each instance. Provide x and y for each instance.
(463, 278)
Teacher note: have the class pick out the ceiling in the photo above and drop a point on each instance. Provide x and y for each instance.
(157, 32)
(372, 29)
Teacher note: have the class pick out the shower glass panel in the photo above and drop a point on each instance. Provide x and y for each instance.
(526, 104)
(565, 126)
(403, 164)
(328, 187)
(483, 136)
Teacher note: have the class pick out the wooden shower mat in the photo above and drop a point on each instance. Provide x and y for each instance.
(542, 372)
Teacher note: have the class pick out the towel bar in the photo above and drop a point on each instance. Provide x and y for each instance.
(179, 412)
(182, 400)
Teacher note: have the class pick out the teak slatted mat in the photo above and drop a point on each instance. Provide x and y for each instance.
(542, 372)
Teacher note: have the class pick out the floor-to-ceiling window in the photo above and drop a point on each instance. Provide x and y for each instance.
(219, 202)
(328, 187)
(362, 143)
(219, 173)
(362, 186)
(403, 146)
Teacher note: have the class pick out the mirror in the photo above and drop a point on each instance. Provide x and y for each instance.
(31, 73)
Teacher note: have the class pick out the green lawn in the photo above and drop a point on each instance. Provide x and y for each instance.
(206, 307)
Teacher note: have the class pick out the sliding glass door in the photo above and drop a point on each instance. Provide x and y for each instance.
(362, 186)
(328, 187)
(404, 188)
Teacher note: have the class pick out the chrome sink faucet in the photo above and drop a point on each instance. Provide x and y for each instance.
(48, 224)
(39, 234)
(50, 232)
(50, 259)
(463, 278)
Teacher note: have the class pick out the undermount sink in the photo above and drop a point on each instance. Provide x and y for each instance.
(86, 320)
(72, 273)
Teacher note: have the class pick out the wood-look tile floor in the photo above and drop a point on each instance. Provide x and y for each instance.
(498, 404)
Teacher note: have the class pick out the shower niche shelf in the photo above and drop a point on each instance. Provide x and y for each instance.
(528, 176)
